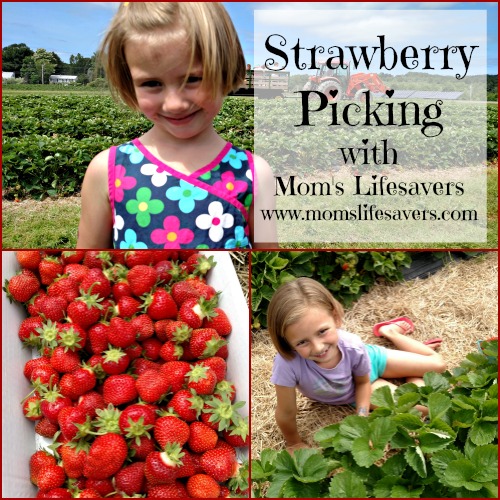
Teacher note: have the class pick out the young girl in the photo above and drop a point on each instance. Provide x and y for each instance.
(330, 365)
(180, 185)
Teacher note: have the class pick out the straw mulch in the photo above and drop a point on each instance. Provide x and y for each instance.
(457, 304)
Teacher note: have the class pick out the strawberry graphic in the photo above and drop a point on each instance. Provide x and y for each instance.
(162, 467)
(202, 486)
(219, 463)
(152, 387)
(202, 380)
(205, 342)
(160, 305)
(142, 279)
(22, 286)
(119, 389)
(171, 429)
(201, 437)
(50, 268)
(131, 479)
(29, 259)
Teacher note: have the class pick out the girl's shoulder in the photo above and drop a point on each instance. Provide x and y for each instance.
(349, 339)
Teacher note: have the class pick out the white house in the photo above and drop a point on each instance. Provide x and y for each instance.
(6, 75)
(62, 79)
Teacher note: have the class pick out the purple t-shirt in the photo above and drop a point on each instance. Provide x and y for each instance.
(333, 386)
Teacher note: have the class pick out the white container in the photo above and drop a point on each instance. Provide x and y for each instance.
(18, 435)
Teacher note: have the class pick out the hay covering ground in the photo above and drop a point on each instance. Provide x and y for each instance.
(458, 304)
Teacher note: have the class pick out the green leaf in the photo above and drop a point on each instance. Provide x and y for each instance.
(381, 431)
(483, 432)
(295, 489)
(383, 488)
(408, 421)
(459, 473)
(431, 442)
(442, 459)
(326, 435)
(311, 465)
(407, 401)
(437, 381)
(347, 485)
(416, 460)
(400, 491)
(485, 460)
(364, 453)
(394, 465)
(489, 410)
(402, 439)
(438, 405)
(276, 485)
(382, 397)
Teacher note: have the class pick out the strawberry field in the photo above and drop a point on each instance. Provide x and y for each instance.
(49, 140)
(134, 390)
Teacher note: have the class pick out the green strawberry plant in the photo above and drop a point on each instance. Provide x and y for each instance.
(394, 452)
(346, 274)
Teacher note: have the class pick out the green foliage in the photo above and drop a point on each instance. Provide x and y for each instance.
(394, 453)
(48, 140)
(346, 274)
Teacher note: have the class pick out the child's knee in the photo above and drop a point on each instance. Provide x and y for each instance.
(439, 364)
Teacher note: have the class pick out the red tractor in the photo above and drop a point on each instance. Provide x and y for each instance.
(340, 79)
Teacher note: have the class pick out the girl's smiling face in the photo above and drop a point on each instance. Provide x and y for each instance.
(158, 71)
(314, 336)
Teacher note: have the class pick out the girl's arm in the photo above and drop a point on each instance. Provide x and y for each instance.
(286, 413)
(96, 220)
(264, 199)
(363, 394)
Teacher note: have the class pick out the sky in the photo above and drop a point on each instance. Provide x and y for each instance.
(68, 28)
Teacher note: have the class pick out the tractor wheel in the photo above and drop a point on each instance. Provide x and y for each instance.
(327, 87)
(360, 95)
(310, 86)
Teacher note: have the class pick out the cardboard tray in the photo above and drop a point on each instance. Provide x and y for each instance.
(19, 440)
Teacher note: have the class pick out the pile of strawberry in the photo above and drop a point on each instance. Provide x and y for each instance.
(130, 385)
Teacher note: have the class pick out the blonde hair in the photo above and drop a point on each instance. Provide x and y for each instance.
(207, 27)
(290, 302)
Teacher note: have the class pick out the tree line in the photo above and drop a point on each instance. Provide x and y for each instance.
(37, 66)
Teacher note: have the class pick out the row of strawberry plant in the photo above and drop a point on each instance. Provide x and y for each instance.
(346, 274)
(49, 140)
(393, 453)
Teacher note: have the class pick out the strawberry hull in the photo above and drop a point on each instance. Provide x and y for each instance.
(19, 439)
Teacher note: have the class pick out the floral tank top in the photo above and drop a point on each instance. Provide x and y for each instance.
(154, 206)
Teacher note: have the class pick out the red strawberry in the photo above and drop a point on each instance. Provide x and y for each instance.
(64, 286)
(205, 342)
(202, 486)
(170, 429)
(127, 307)
(220, 322)
(31, 364)
(194, 311)
(64, 361)
(52, 403)
(121, 289)
(171, 490)
(44, 374)
(38, 460)
(53, 308)
(22, 286)
(136, 419)
(46, 428)
(162, 467)
(72, 256)
(73, 457)
(217, 364)
(31, 407)
(138, 257)
(151, 348)
(182, 290)
(152, 386)
(49, 268)
(160, 305)
(27, 331)
(131, 480)
(202, 380)
(134, 351)
(106, 456)
(119, 389)
(115, 361)
(144, 327)
(95, 282)
(102, 486)
(72, 336)
(84, 310)
(29, 259)
(174, 373)
(50, 477)
(88, 493)
(121, 333)
(141, 447)
(141, 279)
(90, 402)
(68, 417)
(97, 259)
(219, 463)
(170, 351)
(186, 404)
(76, 271)
(238, 433)
(98, 337)
(166, 270)
(177, 331)
(140, 365)
(201, 437)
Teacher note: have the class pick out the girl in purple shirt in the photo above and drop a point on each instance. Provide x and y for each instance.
(330, 365)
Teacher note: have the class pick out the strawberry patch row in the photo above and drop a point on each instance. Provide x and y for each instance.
(130, 384)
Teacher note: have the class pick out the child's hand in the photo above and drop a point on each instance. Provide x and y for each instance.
(296, 446)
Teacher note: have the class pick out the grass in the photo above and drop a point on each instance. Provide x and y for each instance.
(40, 224)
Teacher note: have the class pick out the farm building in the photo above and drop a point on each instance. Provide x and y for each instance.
(62, 79)
(7, 75)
